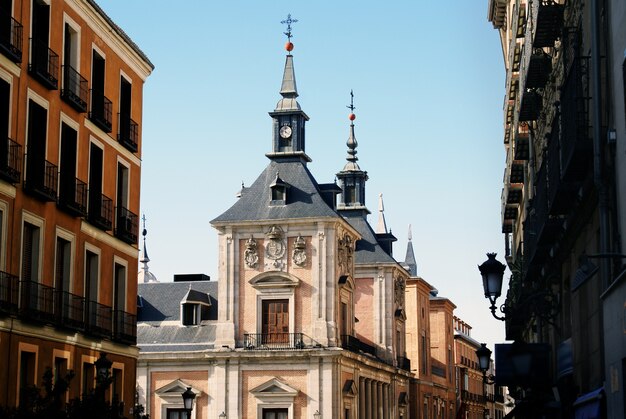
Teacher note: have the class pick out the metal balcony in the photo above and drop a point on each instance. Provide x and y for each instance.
(101, 111)
(276, 341)
(11, 161)
(11, 37)
(44, 64)
(516, 174)
(561, 194)
(539, 69)
(75, 89)
(41, 184)
(514, 194)
(128, 132)
(353, 344)
(70, 310)
(530, 106)
(36, 301)
(100, 212)
(99, 319)
(73, 197)
(548, 16)
(521, 146)
(124, 327)
(126, 226)
(9, 293)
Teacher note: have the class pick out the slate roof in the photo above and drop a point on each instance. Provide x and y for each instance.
(158, 319)
(368, 251)
(303, 199)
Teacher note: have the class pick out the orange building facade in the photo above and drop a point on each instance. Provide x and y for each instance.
(71, 86)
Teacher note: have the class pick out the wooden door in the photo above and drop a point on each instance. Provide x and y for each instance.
(275, 327)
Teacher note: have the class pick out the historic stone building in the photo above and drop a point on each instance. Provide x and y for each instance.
(71, 98)
(563, 200)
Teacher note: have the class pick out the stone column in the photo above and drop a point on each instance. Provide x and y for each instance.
(385, 401)
(379, 399)
(362, 398)
(370, 400)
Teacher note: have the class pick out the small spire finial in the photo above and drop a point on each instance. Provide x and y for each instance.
(144, 232)
(351, 105)
(288, 22)
(352, 143)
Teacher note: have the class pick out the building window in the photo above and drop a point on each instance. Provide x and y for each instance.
(100, 104)
(63, 265)
(91, 276)
(424, 352)
(75, 87)
(119, 287)
(30, 252)
(59, 371)
(100, 206)
(190, 314)
(275, 413)
(127, 127)
(27, 373)
(117, 389)
(41, 175)
(89, 377)
(176, 413)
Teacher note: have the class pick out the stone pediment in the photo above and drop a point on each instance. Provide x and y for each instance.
(274, 279)
(275, 389)
(172, 391)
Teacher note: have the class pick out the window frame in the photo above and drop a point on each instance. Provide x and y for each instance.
(71, 238)
(40, 223)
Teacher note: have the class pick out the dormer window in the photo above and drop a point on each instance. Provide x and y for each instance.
(278, 190)
(192, 307)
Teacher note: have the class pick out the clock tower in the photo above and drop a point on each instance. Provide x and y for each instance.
(288, 129)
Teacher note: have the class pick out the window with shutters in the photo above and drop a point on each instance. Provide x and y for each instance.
(41, 175)
(275, 413)
(30, 252)
(27, 374)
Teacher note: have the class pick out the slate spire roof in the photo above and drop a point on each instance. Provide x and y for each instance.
(144, 275)
(409, 259)
(288, 89)
(381, 228)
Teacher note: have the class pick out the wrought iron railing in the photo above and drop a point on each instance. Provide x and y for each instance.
(101, 110)
(73, 197)
(44, 64)
(126, 225)
(11, 37)
(11, 161)
(276, 341)
(9, 292)
(42, 184)
(124, 326)
(353, 344)
(75, 89)
(70, 310)
(99, 319)
(36, 301)
(101, 211)
(128, 132)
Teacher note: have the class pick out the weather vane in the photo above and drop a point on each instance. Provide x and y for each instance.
(288, 21)
(144, 232)
(351, 105)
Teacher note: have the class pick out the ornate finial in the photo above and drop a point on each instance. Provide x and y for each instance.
(144, 232)
(288, 22)
(352, 116)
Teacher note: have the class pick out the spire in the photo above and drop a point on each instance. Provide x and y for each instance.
(144, 274)
(409, 259)
(352, 164)
(381, 228)
(288, 89)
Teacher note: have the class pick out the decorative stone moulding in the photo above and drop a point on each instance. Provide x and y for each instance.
(251, 256)
(275, 247)
(299, 251)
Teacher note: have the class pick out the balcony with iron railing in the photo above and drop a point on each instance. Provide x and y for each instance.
(124, 327)
(10, 161)
(126, 225)
(9, 293)
(277, 341)
(70, 310)
(99, 319)
(128, 134)
(73, 197)
(547, 19)
(100, 211)
(11, 37)
(36, 301)
(40, 183)
(75, 89)
(354, 344)
(101, 111)
(44, 64)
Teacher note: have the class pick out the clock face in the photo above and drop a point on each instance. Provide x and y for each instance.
(285, 131)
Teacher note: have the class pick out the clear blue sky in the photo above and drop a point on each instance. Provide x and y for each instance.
(428, 80)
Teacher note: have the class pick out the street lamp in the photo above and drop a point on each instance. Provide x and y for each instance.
(188, 397)
(222, 415)
(103, 366)
(317, 415)
(492, 272)
(484, 361)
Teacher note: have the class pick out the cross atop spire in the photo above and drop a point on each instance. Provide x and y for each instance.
(351, 105)
(288, 22)
(351, 143)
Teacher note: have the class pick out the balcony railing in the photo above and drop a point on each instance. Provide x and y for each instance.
(11, 37)
(276, 341)
(548, 16)
(41, 184)
(126, 226)
(101, 211)
(539, 69)
(73, 197)
(124, 327)
(353, 344)
(99, 319)
(44, 64)
(70, 310)
(11, 161)
(530, 106)
(36, 301)
(75, 89)
(101, 110)
(9, 292)
(128, 132)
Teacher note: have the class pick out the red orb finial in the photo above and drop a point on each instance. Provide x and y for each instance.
(289, 46)
(352, 117)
